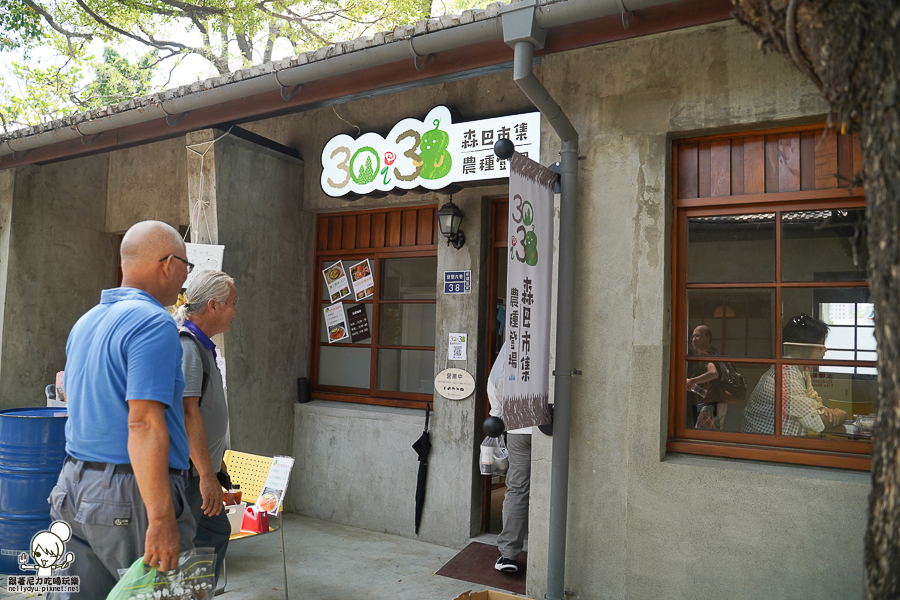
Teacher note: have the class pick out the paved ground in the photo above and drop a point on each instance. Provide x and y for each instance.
(326, 561)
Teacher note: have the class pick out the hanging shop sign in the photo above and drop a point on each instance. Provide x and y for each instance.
(431, 154)
(528, 284)
(454, 384)
(204, 257)
(457, 282)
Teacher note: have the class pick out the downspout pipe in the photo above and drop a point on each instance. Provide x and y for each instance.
(521, 31)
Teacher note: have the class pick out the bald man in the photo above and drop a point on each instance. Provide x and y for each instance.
(122, 487)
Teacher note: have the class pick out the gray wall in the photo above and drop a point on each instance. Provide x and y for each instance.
(268, 241)
(643, 524)
(57, 258)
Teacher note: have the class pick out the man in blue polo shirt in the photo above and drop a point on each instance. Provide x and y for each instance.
(122, 489)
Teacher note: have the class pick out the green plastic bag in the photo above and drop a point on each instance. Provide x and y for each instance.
(193, 579)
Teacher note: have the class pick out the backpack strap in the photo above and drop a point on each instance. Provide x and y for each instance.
(204, 359)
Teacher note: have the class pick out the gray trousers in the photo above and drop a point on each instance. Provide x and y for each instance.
(212, 532)
(109, 523)
(515, 505)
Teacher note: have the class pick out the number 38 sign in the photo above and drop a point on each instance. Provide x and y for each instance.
(431, 154)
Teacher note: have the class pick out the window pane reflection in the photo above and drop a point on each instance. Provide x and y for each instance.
(409, 278)
(741, 321)
(734, 248)
(344, 366)
(713, 401)
(406, 371)
(407, 324)
(819, 245)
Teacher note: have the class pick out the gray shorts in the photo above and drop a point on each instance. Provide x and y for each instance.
(109, 524)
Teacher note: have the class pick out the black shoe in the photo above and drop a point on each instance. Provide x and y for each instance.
(506, 565)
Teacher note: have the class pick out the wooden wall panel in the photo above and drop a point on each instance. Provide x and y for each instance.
(363, 231)
(335, 229)
(789, 163)
(408, 228)
(720, 168)
(348, 236)
(737, 166)
(392, 234)
(687, 171)
(703, 170)
(426, 221)
(808, 160)
(501, 223)
(379, 228)
(772, 152)
(857, 156)
(754, 165)
(845, 159)
(322, 234)
(826, 161)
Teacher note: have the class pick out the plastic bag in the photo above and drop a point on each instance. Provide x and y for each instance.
(193, 579)
(494, 456)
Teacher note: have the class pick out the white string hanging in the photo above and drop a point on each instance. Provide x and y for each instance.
(200, 204)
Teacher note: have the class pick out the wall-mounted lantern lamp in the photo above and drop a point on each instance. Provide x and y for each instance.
(449, 218)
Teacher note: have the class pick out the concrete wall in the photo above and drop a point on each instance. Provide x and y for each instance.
(268, 242)
(57, 257)
(148, 182)
(641, 524)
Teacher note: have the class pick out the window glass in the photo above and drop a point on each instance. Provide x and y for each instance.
(406, 371)
(323, 331)
(407, 324)
(733, 248)
(344, 366)
(717, 396)
(409, 278)
(850, 317)
(742, 321)
(827, 405)
(820, 245)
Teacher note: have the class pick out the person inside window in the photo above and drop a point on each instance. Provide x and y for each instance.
(803, 409)
(707, 411)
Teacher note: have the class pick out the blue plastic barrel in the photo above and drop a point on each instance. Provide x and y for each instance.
(32, 450)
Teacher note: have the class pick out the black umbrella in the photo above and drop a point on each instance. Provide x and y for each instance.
(422, 446)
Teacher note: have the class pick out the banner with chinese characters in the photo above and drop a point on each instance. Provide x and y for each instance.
(528, 285)
(432, 153)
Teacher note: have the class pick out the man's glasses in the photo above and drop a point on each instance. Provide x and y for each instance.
(190, 265)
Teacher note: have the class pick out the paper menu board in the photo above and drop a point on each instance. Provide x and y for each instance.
(358, 322)
(363, 282)
(276, 483)
(205, 257)
(336, 280)
(335, 322)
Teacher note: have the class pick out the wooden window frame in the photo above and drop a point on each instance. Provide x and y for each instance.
(741, 196)
(412, 235)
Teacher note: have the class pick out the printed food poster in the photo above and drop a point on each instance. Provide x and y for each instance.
(276, 483)
(335, 323)
(336, 280)
(363, 282)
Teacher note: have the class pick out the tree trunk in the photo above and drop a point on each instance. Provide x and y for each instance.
(850, 50)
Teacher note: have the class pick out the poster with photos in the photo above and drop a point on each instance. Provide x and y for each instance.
(336, 280)
(363, 282)
(336, 323)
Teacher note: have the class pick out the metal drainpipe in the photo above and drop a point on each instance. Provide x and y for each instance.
(565, 309)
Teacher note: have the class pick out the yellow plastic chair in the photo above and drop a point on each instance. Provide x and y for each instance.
(250, 472)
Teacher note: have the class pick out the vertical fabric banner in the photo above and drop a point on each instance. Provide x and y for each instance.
(528, 285)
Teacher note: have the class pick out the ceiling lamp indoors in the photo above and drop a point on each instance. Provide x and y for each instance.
(449, 219)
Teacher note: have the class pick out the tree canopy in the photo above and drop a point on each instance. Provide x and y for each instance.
(227, 34)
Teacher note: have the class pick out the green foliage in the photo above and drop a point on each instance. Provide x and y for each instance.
(20, 26)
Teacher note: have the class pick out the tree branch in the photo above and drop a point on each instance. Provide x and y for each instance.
(52, 22)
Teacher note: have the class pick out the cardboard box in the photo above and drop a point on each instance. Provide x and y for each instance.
(488, 595)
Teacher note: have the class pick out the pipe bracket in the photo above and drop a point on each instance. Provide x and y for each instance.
(626, 14)
(566, 373)
(87, 140)
(421, 67)
(18, 156)
(172, 120)
(286, 95)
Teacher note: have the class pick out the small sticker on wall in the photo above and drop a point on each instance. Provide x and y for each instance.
(457, 348)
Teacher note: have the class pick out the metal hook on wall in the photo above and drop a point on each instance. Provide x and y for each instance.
(626, 15)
